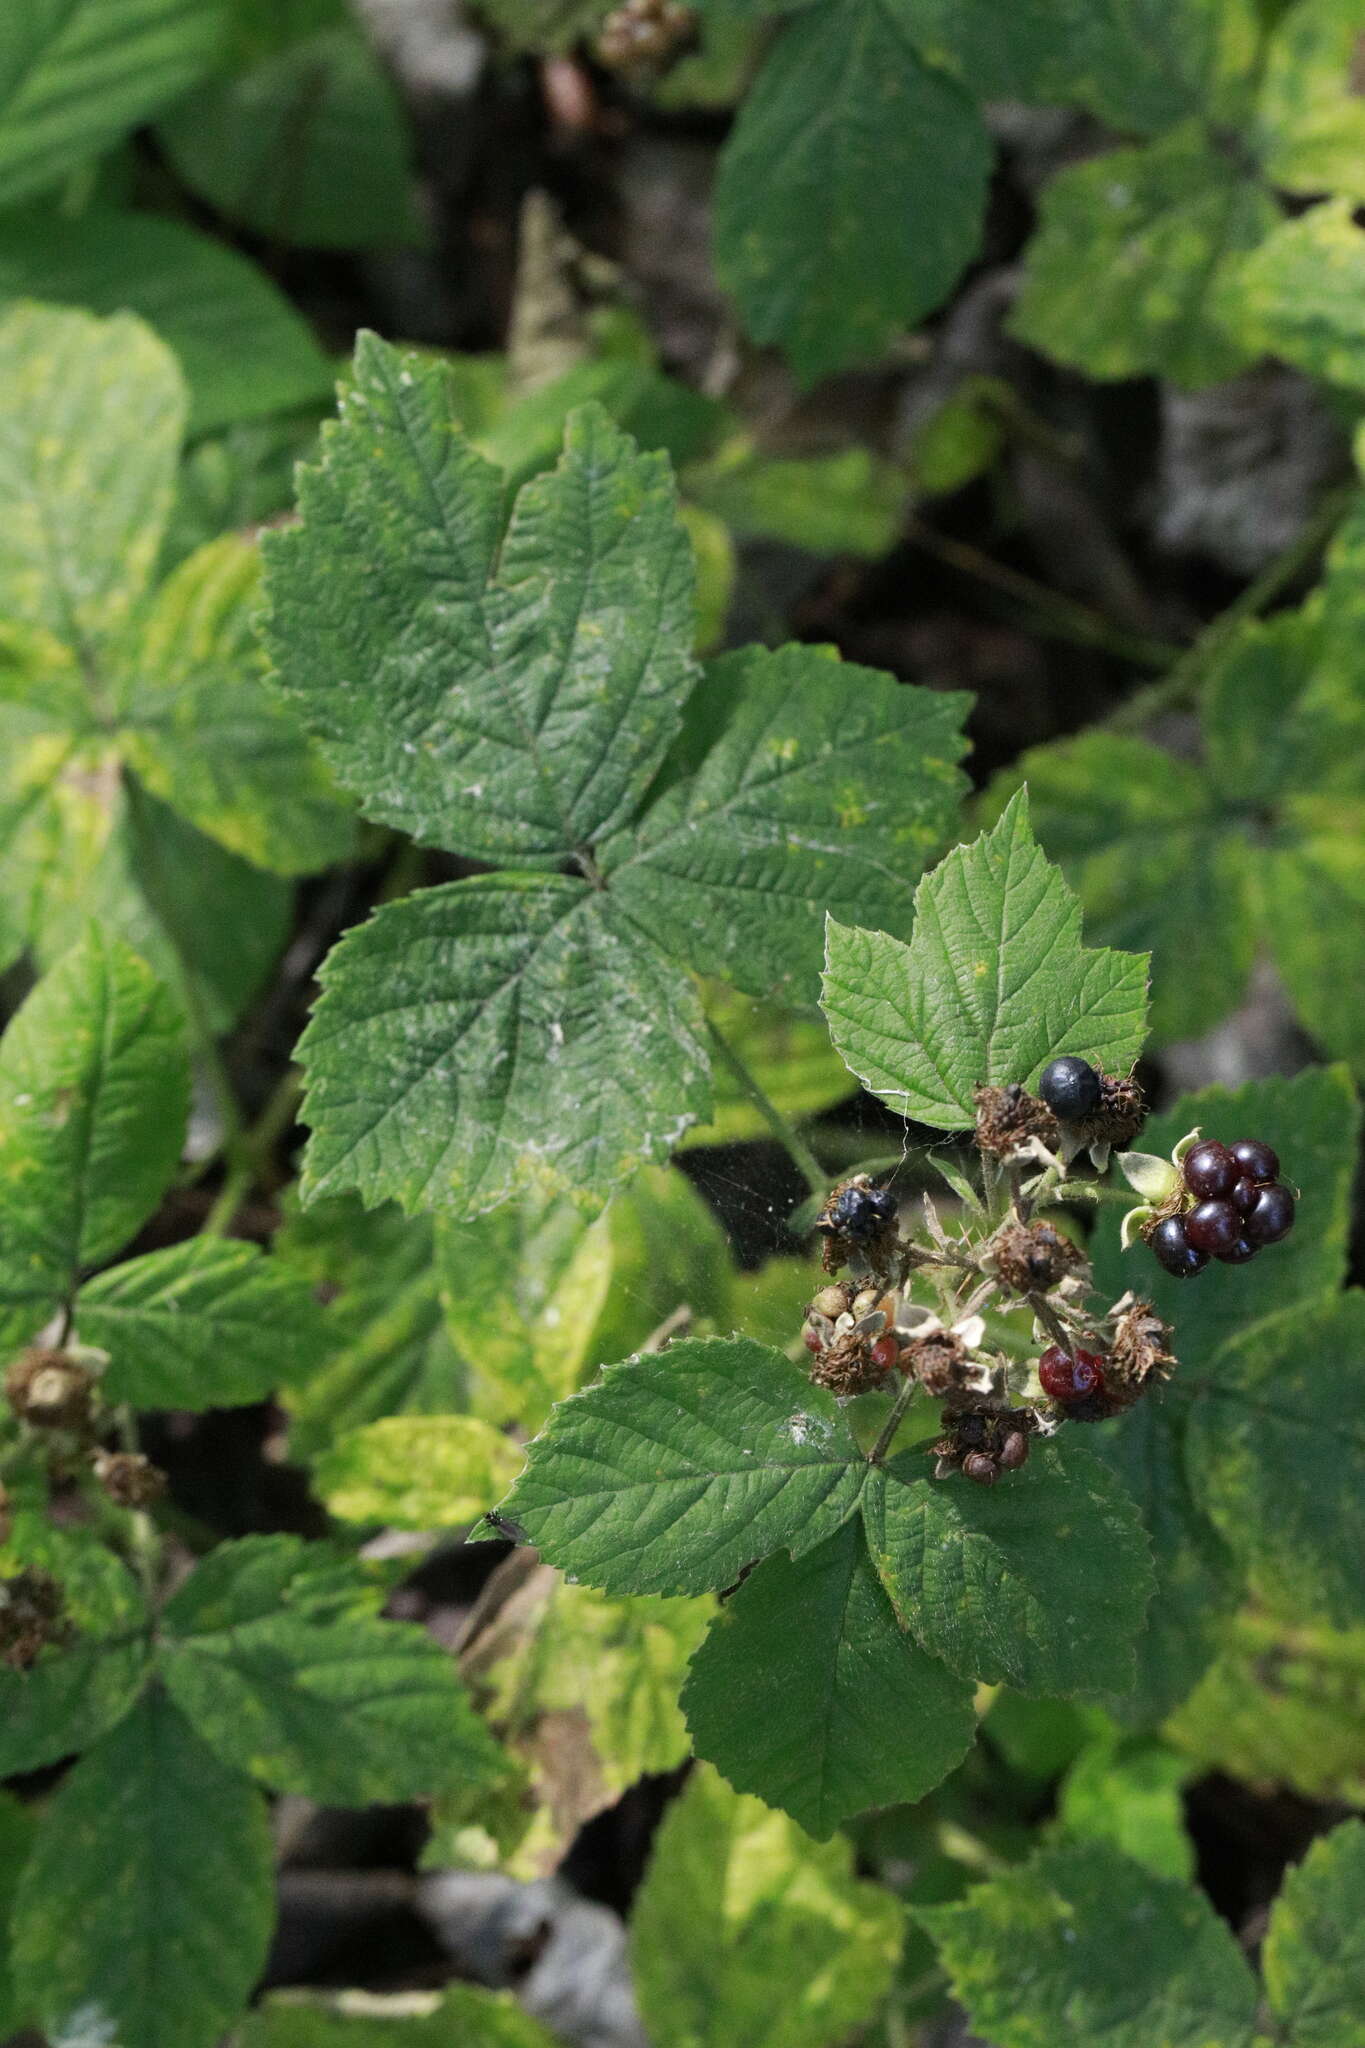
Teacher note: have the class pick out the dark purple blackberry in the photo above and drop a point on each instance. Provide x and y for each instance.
(1210, 1170)
(1070, 1087)
(1273, 1216)
(1238, 1252)
(1174, 1250)
(1244, 1197)
(1212, 1227)
(1258, 1161)
(860, 1213)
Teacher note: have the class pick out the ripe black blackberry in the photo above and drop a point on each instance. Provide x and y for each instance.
(1070, 1087)
(1234, 1205)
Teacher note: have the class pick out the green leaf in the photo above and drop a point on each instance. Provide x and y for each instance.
(16, 1839)
(208, 735)
(1299, 295)
(656, 411)
(517, 718)
(994, 983)
(1161, 228)
(845, 123)
(307, 146)
(210, 1323)
(1042, 1584)
(1141, 64)
(1283, 1705)
(94, 1093)
(845, 504)
(145, 1912)
(76, 1690)
(1273, 1444)
(461, 2016)
(961, 439)
(673, 1472)
(390, 1353)
(1198, 1579)
(76, 75)
(1309, 129)
(1112, 1957)
(1314, 1954)
(342, 1708)
(808, 1693)
(828, 789)
(89, 440)
(1127, 1793)
(746, 1930)
(490, 1036)
(417, 1471)
(1153, 857)
(243, 349)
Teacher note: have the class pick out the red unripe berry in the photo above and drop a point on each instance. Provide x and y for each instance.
(1273, 1216)
(1070, 1379)
(1257, 1160)
(886, 1351)
(811, 1339)
(1210, 1170)
(1213, 1227)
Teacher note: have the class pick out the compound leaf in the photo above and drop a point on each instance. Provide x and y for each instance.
(746, 1930)
(1314, 1954)
(828, 788)
(994, 983)
(496, 1035)
(846, 122)
(672, 1473)
(341, 1707)
(1083, 1948)
(145, 1911)
(211, 1323)
(1042, 1584)
(515, 719)
(808, 1692)
(94, 1093)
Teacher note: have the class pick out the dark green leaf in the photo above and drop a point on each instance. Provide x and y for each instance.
(16, 1839)
(808, 1692)
(145, 1911)
(342, 1708)
(77, 1689)
(205, 1324)
(1042, 1584)
(673, 1472)
(497, 1035)
(462, 2016)
(828, 790)
(845, 123)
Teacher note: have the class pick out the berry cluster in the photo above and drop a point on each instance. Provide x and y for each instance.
(1234, 1205)
(858, 1220)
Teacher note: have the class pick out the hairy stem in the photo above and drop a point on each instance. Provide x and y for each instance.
(886, 1436)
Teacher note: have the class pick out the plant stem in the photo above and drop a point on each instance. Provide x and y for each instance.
(1061, 618)
(146, 1544)
(254, 1150)
(1178, 689)
(893, 1420)
(787, 1136)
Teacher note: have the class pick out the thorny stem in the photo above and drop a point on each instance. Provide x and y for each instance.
(791, 1141)
(1042, 1309)
(1178, 689)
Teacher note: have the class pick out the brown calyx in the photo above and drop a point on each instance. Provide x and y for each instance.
(1007, 1117)
(1033, 1257)
(49, 1390)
